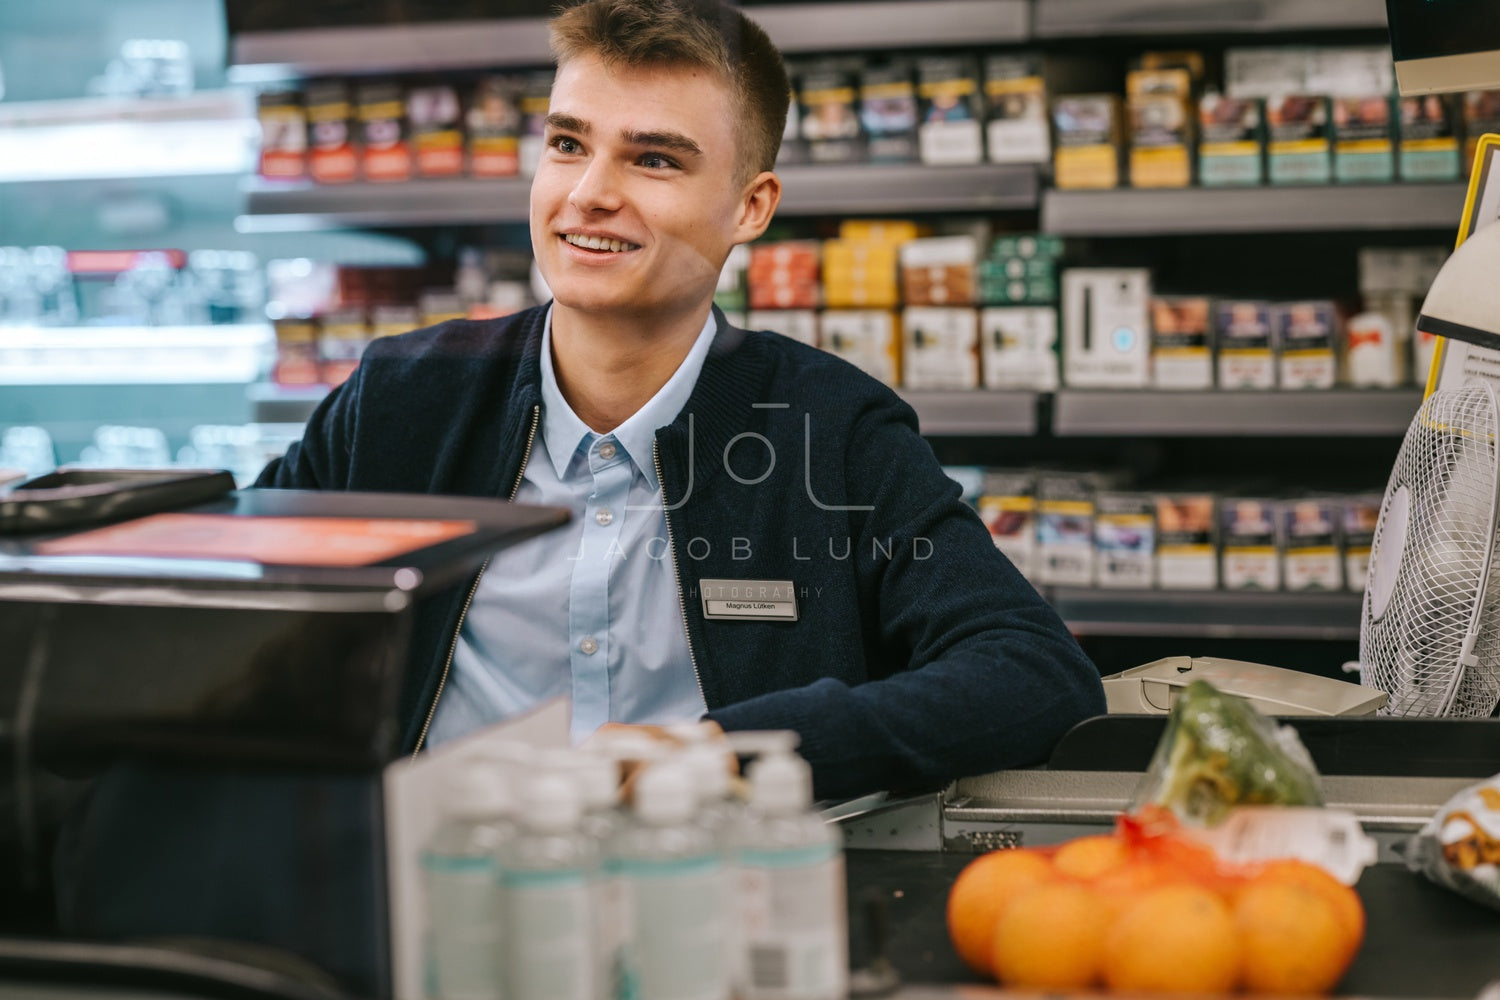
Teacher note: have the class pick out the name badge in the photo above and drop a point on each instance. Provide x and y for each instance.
(748, 600)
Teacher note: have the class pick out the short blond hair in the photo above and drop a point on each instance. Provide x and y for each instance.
(700, 33)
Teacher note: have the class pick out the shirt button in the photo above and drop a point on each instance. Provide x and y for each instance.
(589, 647)
(605, 517)
(607, 450)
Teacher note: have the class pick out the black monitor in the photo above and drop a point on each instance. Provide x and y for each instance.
(1445, 46)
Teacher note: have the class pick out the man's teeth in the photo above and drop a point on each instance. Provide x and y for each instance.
(599, 243)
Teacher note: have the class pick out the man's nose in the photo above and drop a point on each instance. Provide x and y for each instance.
(597, 188)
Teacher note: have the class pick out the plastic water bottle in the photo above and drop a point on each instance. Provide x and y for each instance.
(547, 874)
(465, 929)
(716, 809)
(793, 921)
(677, 893)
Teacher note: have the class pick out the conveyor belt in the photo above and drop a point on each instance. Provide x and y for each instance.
(1422, 940)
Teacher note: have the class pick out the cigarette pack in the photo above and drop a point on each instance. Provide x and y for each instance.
(939, 271)
(1310, 536)
(784, 275)
(860, 274)
(1182, 342)
(341, 343)
(888, 111)
(1065, 529)
(1231, 141)
(1250, 540)
(1161, 127)
(1124, 540)
(385, 153)
(829, 95)
(283, 135)
(1363, 139)
(1008, 507)
(1016, 101)
(1428, 147)
(534, 100)
(1298, 146)
(389, 320)
(799, 324)
(436, 120)
(1027, 245)
(1306, 345)
(1186, 547)
(1245, 338)
(1106, 343)
(331, 157)
(494, 120)
(1481, 115)
(296, 353)
(941, 348)
(1372, 357)
(1087, 130)
(1018, 347)
(951, 108)
(1360, 515)
(866, 338)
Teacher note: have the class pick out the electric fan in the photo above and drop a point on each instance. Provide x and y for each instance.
(1430, 632)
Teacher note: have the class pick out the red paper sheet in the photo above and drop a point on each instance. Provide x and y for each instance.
(286, 541)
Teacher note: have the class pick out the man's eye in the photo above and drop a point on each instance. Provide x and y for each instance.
(564, 144)
(656, 161)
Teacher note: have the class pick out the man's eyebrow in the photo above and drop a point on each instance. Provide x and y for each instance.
(674, 141)
(567, 123)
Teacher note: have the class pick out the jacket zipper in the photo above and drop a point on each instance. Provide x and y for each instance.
(676, 578)
(536, 419)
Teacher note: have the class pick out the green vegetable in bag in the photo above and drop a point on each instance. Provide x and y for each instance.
(1217, 751)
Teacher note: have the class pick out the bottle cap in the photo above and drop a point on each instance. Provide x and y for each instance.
(665, 793)
(780, 784)
(550, 804)
(710, 767)
(595, 775)
(479, 788)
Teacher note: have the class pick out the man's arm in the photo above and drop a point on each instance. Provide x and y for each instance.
(321, 459)
(994, 679)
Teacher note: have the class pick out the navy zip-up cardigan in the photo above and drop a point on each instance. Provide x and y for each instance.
(919, 654)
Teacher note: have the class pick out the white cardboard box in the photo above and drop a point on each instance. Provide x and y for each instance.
(1106, 328)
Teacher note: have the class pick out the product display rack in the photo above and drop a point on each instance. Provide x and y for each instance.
(268, 57)
(807, 190)
(1225, 413)
(1155, 18)
(1200, 210)
(1219, 614)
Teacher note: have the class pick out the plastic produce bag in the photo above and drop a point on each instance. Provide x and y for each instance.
(1460, 846)
(1217, 752)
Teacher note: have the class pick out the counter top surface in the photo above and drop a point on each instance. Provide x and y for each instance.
(1421, 941)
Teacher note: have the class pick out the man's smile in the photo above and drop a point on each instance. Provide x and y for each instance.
(604, 243)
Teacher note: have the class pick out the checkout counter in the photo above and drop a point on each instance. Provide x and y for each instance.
(194, 747)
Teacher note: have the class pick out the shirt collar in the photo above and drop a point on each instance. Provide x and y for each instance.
(564, 433)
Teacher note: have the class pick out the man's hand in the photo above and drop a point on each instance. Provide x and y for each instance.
(667, 738)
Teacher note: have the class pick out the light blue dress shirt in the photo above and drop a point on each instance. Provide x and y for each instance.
(590, 610)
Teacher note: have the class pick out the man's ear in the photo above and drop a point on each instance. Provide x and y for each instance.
(757, 206)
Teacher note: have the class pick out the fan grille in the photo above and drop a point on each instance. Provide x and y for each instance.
(1413, 649)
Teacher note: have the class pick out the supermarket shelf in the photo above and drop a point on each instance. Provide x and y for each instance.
(1223, 614)
(1164, 212)
(1294, 413)
(208, 133)
(1111, 18)
(157, 355)
(265, 57)
(808, 190)
(963, 414)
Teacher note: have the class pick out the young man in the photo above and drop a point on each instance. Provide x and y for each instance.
(760, 536)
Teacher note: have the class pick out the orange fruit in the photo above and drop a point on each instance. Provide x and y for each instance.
(1173, 939)
(1293, 938)
(982, 891)
(1345, 901)
(1120, 888)
(1088, 858)
(1052, 937)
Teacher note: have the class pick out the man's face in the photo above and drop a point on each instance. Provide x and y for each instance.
(637, 200)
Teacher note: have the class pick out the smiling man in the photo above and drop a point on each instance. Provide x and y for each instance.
(761, 537)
